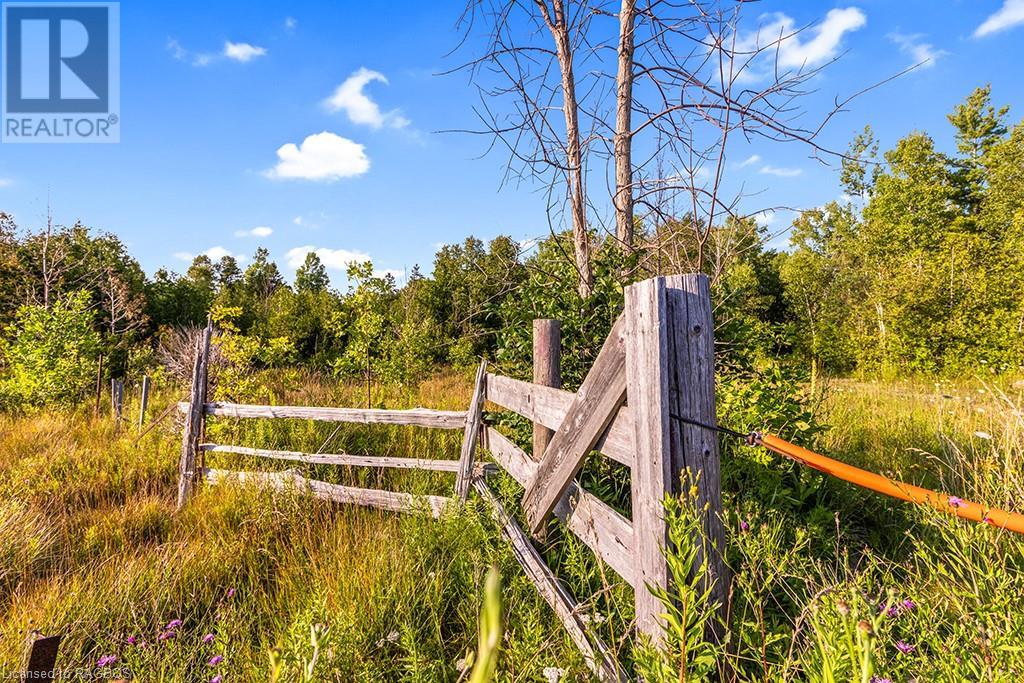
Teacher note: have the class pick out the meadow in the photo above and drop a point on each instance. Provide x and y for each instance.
(831, 583)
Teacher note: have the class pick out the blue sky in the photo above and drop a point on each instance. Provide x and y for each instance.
(313, 125)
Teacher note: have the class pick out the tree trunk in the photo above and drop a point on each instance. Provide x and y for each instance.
(623, 199)
(557, 24)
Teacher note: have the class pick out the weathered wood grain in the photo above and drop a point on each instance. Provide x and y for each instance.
(292, 481)
(602, 529)
(194, 421)
(548, 406)
(386, 462)
(670, 372)
(471, 434)
(417, 417)
(547, 372)
(596, 654)
(599, 397)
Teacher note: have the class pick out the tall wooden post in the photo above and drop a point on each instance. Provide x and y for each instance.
(670, 368)
(117, 398)
(144, 399)
(547, 371)
(194, 418)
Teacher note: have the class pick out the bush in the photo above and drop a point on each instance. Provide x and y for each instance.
(50, 354)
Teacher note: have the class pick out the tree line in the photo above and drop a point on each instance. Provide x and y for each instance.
(916, 270)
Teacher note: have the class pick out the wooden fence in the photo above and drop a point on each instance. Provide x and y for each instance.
(641, 404)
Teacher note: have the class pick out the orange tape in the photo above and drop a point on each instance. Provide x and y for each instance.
(897, 489)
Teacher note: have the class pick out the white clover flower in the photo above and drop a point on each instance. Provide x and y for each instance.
(553, 674)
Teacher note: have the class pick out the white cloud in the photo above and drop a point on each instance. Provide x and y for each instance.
(780, 171)
(397, 273)
(215, 254)
(6, 182)
(797, 47)
(290, 23)
(922, 53)
(258, 231)
(337, 259)
(297, 220)
(322, 156)
(357, 105)
(243, 52)
(749, 161)
(1009, 15)
(766, 217)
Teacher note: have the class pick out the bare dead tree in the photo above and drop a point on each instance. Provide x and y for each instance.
(685, 81)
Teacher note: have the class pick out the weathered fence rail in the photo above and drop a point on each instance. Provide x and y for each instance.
(656, 365)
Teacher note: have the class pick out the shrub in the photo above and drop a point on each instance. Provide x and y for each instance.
(50, 354)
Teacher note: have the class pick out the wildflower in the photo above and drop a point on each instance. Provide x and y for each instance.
(552, 674)
(462, 664)
(893, 611)
(106, 660)
(231, 593)
(166, 635)
(393, 637)
(956, 502)
(864, 626)
(172, 624)
(987, 520)
(908, 604)
(217, 679)
(215, 660)
(843, 608)
(879, 679)
(744, 527)
(131, 640)
(905, 648)
(208, 638)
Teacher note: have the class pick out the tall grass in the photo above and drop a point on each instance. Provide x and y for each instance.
(830, 583)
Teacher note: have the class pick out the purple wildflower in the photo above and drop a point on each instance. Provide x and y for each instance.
(956, 502)
(166, 635)
(231, 593)
(215, 660)
(106, 660)
(892, 612)
(905, 648)
(909, 605)
(879, 679)
(131, 640)
(208, 638)
(172, 624)
(744, 527)
(217, 679)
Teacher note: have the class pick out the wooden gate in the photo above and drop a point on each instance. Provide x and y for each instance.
(642, 404)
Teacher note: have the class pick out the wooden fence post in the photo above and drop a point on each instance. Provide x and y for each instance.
(117, 398)
(99, 386)
(670, 374)
(474, 417)
(144, 400)
(547, 371)
(194, 418)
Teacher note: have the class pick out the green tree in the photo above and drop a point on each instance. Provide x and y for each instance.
(311, 276)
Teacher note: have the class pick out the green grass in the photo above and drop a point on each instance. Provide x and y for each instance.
(91, 547)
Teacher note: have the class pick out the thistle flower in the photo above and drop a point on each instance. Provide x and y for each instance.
(909, 605)
(956, 502)
(208, 638)
(106, 660)
(843, 608)
(864, 625)
(172, 624)
(879, 679)
(230, 593)
(131, 640)
(217, 679)
(215, 660)
(166, 635)
(905, 648)
(744, 527)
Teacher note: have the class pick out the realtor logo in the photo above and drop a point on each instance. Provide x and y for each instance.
(60, 72)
